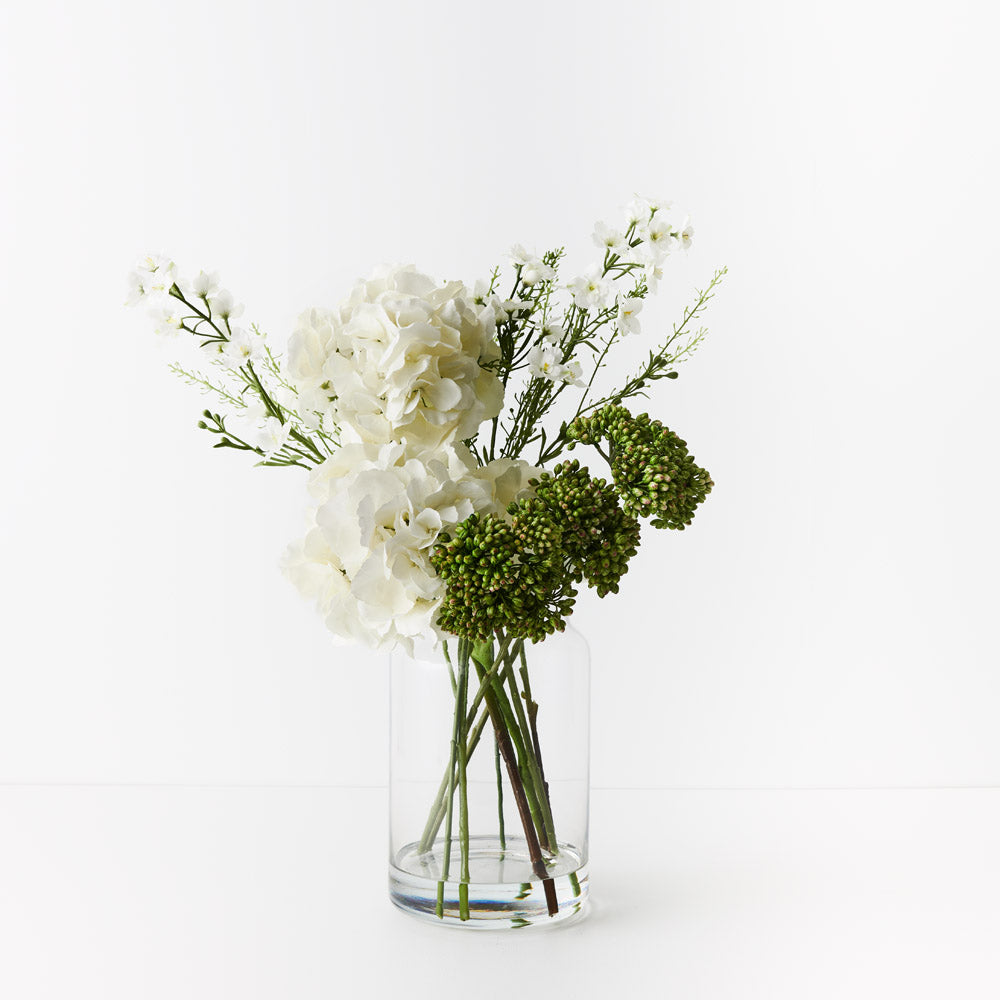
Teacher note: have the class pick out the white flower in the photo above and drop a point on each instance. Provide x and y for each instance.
(242, 346)
(653, 271)
(519, 255)
(491, 304)
(533, 269)
(167, 320)
(657, 236)
(546, 361)
(205, 284)
(628, 314)
(640, 210)
(574, 373)
(637, 212)
(223, 306)
(612, 240)
(552, 333)
(401, 359)
(686, 235)
(272, 436)
(379, 512)
(152, 277)
(591, 291)
(511, 306)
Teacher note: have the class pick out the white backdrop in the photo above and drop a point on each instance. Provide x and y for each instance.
(827, 621)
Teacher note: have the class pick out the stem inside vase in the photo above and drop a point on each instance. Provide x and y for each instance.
(517, 745)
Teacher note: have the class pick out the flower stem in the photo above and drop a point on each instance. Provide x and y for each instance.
(530, 834)
(436, 816)
(496, 760)
(463, 782)
(438, 809)
(530, 758)
(503, 735)
(456, 734)
(532, 708)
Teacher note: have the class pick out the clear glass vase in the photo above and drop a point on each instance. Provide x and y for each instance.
(489, 783)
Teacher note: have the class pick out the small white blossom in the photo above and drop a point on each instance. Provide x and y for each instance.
(612, 240)
(533, 269)
(511, 306)
(657, 235)
(574, 373)
(272, 436)
(591, 291)
(686, 235)
(205, 284)
(552, 333)
(242, 346)
(136, 288)
(628, 314)
(152, 277)
(653, 272)
(224, 307)
(167, 320)
(640, 210)
(545, 361)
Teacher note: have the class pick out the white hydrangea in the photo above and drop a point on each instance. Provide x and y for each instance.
(365, 559)
(400, 360)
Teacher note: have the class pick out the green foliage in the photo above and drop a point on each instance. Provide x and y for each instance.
(519, 574)
(653, 472)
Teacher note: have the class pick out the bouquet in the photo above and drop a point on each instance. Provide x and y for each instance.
(436, 423)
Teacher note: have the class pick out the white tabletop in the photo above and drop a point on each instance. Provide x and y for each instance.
(217, 892)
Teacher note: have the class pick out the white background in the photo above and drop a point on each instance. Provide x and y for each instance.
(828, 621)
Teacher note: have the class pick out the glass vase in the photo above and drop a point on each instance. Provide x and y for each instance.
(489, 782)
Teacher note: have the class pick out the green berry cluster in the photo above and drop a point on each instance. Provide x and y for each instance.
(519, 574)
(653, 472)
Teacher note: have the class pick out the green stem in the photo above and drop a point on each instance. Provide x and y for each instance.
(463, 784)
(530, 834)
(529, 760)
(496, 760)
(438, 809)
(532, 709)
(452, 754)
(500, 710)
(436, 816)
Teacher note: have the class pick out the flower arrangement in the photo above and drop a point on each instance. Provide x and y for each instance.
(436, 421)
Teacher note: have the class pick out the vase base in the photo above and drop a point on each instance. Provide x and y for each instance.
(503, 890)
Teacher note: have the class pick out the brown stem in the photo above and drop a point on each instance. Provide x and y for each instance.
(530, 835)
(532, 708)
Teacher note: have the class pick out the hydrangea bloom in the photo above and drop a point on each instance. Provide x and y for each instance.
(365, 560)
(400, 360)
